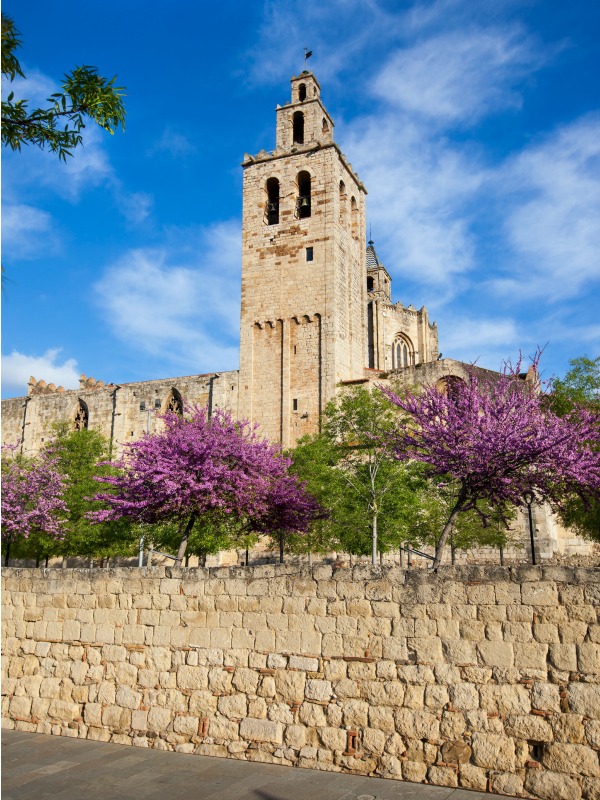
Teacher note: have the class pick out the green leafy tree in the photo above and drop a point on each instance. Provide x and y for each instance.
(580, 388)
(79, 456)
(85, 95)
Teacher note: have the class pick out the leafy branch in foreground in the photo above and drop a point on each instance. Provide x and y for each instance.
(85, 95)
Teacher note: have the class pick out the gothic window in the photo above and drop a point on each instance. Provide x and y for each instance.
(342, 201)
(81, 417)
(303, 194)
(403, 354)
(302, 92)
(298, 127)
(174, 402)
(272, 211)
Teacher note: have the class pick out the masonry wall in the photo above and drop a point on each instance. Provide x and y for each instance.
(485, 678)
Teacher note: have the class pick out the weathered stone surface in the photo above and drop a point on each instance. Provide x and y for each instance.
(493, 751)
(456, 752)
(260, 730)
(552, 786)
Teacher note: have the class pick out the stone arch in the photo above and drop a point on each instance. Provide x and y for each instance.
(272, 203)
(403, 352)
(302, 92)
(81, 416)
(298, 128)
(173, 402)
(450, 385)
(304, 194)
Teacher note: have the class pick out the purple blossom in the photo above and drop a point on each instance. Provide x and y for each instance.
(497, 439)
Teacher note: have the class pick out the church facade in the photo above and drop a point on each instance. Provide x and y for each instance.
(316, 313)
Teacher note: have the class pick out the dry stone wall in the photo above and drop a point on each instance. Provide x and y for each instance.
(481, 677)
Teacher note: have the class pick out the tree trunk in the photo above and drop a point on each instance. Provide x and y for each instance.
(439, 550)
(374, 537)
(184, 538)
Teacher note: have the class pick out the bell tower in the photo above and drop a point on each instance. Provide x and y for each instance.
(303, 317)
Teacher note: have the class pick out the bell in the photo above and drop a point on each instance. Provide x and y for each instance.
(303, 202)
(272, 206)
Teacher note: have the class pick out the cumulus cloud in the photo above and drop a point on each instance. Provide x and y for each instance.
(174, 143)
(17, 368)
(27, 232)
(552, 216)
(457, 77)
(180, 301)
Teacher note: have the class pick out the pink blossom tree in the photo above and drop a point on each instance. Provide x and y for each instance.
(497, 439)
(32, 500)
(199, 465)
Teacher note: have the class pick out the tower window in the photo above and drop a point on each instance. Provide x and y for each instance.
(272, 215)
(370, 284)
(302, 92)
(303, 194)
(143, 405)
(298, 127)
(309, 254)
(325, 126)
(295, 404)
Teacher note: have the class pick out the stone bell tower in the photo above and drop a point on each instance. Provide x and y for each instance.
(303, 318)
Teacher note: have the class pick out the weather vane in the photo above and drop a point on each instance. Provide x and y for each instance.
(307, 54)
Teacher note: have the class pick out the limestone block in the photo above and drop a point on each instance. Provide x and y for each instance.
(563, 656)
(63, 710)
(529, 727)
(591, 788)
(464, 696)
(304, 663)
(496, 654)
(126, 673)
(530, 655)
(312, 715)
(572, 632)
(545, 697)
(116, 717)
(334, 739)
(588, 658)
(186, 725)
(233, 706)
(571, 759)
(507, 783)
(139, 722)
(20, 706)
(426, 650)
(539, 593)
(290, 685)
(505, 699)
(106, 693)
(382, 719)
(442, 776)
(127, 697)
(471, 777)
(459, 651)
(203, 703)
(318, 690)
(493, 751)
(260, 730)
(415, 771)
(390, 766)
(592, 733)
(457, 751)
(295, 736)
(584, 698)
(414, 696)
(551, 786)
(223, 730)
(159, 719)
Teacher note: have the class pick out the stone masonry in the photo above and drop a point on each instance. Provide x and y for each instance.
(484, 678)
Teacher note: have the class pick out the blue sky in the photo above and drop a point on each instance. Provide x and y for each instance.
(475, 127)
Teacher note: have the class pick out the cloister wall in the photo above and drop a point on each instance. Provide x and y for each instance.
(481, 677)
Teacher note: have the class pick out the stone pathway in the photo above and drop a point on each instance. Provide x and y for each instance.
(36, 767)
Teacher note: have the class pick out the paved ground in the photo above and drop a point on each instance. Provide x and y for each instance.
(36, 767)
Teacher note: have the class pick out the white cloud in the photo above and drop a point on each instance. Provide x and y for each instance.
(135, 206)
(553, 213)
(179, 302)
(17, 368)
(173, 143)
(27, 232)
(459, 76)
(487, 341)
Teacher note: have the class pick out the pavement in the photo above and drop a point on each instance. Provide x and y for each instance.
(36, 766)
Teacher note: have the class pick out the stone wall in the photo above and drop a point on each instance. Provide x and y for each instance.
(481, 677)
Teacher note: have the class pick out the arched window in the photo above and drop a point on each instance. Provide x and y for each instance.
(81, 417)
(298, 127)
(174, 402)
(370, 284)
(403, 354)
(354, 212)
(325, 127)
(450, 385)
(302, 92)
(343, 199)
(303, 202)
(272, 210)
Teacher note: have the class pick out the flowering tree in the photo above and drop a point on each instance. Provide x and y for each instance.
(497, 439)
(32, 499)
(201, 466)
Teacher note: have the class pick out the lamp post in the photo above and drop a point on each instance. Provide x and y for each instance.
(529, 497)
